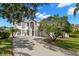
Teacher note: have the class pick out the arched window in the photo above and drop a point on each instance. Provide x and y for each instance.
(32, 25)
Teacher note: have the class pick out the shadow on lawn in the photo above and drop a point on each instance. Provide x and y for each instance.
(67, 45)
(21, 43)
(7, 50)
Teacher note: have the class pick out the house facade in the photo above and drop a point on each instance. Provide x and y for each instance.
(27, 28)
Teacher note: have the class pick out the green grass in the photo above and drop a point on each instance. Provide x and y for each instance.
(6, 47)
(68, 43)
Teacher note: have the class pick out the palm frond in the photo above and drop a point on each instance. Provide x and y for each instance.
(75, 11)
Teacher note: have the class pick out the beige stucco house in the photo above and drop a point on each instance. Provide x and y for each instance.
(27, 28)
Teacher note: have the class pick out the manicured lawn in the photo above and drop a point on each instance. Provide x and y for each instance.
(68, 43)
(6, 47)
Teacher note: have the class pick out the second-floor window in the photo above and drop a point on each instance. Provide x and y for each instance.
(32, 25)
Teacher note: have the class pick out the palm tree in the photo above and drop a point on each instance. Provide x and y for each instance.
(76, 9)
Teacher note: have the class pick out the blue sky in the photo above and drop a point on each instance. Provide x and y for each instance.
(44, 11)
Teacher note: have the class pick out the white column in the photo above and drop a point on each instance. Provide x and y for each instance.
(21, 29)
(34, 29)
(30, 30)
(26, 29)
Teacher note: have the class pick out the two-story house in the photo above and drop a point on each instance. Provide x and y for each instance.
(27, 28)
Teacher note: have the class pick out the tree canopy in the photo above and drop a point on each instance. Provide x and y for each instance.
(56, 24)
(16, 12)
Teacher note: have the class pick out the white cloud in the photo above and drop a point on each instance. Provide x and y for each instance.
(42, 15)
(61, 5)
(71, 10)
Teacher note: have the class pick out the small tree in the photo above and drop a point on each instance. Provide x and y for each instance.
(56, 25)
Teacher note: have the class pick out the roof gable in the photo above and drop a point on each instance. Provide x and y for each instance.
(29, 20)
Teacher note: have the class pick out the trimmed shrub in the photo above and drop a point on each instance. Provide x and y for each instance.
(4, 35)
(74, 35)
(76, 32)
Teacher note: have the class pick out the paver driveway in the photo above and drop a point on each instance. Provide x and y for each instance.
(34, 46)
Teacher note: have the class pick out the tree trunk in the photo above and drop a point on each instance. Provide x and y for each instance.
(12, 33)
(52, 37)
(12, 30)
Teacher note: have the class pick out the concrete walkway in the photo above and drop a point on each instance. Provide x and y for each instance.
(34, 46)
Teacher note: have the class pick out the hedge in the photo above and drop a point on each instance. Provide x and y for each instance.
(74, 35)
(4, 35)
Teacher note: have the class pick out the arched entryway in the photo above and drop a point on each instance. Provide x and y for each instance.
(32, 28)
